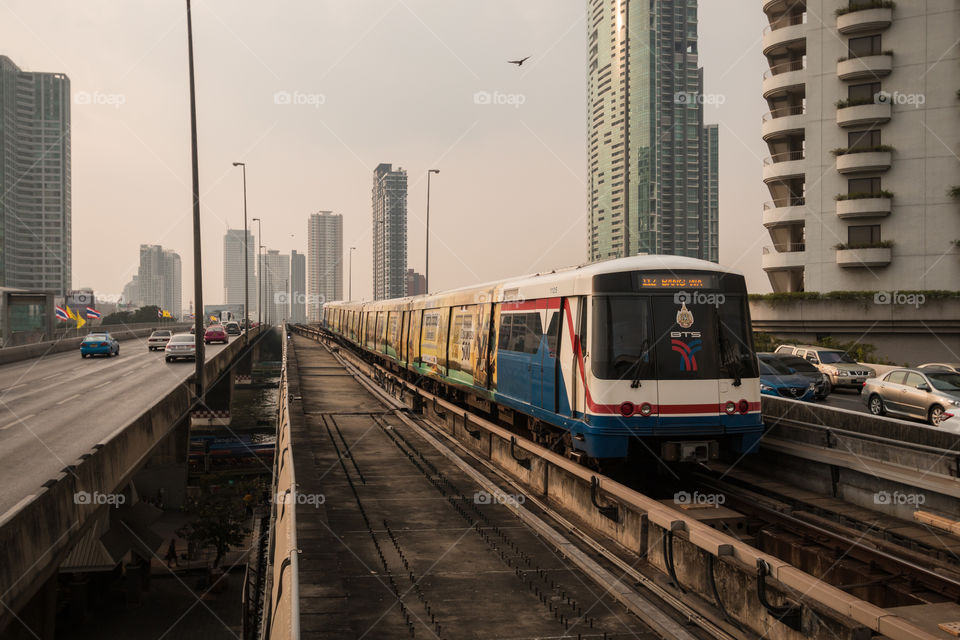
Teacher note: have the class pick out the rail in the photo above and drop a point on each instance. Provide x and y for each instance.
(550, 470)
(282, 618)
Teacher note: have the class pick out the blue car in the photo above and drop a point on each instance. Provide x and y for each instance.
(777, 379)
(99, 344)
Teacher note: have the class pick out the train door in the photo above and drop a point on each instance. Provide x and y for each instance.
(518, 344)
(404, 330)
(546, 373)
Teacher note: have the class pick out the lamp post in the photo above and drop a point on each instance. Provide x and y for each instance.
(426, 274)
(263, 268)
(350, 294)
(246, 258)
(197, 270)
(260, 273)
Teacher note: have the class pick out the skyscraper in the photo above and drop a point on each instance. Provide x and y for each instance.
(298, 287)
(416, 283)
(275, 270)
(233, 265)
(35, 214)
(645, 130)
(159, 279)
(389, 232)
(324, 261)
(710, 193)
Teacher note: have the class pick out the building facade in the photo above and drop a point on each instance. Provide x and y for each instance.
(298, 287)
(862, 130)
(416, 283)
(324, 261)
(645, 132)
(233, 266)
(274, 268)
(389, 232)
(159, 279)
(35, 207)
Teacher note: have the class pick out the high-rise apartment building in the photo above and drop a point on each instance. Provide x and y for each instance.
(710, 193)
(35, 215)
(324, 261)
(416, 283)
(274, 268)
(159, 279)
(233, 266)
(298, 287)
(389, 232)
(645, 130)
(862, 132)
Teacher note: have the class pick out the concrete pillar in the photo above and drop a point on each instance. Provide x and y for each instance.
(36, 621)
(164, 476)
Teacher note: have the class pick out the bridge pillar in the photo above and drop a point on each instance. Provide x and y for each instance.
(163, 478)
(36, 620)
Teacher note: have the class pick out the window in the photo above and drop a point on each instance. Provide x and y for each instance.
(553, 332)
(622, 338)
(863, 185)
(863, 235)
(520, 332)
(914, 379)
(863, 139)
(896, 377)
(865, 46)
(863, 93)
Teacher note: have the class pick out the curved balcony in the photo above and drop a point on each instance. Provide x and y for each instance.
(865, 67)
(864, 207)
(864, 20)
(784, 256)
(782, 122)
(863, 114)
(782, 213)
(867, 257)
(784, 166)
(780, 6)
(788, 34)
(864, 161)
(782, 78)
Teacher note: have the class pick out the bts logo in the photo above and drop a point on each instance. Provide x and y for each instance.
(687, 352)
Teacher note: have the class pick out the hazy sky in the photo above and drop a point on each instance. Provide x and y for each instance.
(369, 82)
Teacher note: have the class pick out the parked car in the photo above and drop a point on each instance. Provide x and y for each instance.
(215, 333)
(802, 367)
(233, 328)
(841, 369)
(941, 366)
(99, 344)
(181, 345)
(777, 379)
(914, 393)
(158, 339)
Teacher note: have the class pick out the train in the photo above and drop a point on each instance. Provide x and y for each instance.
(646, 353)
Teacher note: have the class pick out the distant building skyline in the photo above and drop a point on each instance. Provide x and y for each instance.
(298, 287)
(159, 279)
(416, 283)
(324, 261)
(645, 131)
(274, 268)
(233, 265)
(35, 180)
(389, 232)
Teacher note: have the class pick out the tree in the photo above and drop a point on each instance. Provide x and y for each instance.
(220, 516)
(142, 315)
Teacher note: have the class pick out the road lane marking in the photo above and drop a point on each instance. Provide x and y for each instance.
(103, 384)
(53, 376)
(124, 375)
(16, 422)
(16, 386)
(68, 399)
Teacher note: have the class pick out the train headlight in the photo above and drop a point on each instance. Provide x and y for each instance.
(627, 409)
(731, 406)
(646, 409)
(743, 406)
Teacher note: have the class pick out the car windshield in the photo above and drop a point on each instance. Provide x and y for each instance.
(96, 336)
(798, 364)
(945, 381)
(184, 338)
(832, 357)
(161, 334)
(772, 366)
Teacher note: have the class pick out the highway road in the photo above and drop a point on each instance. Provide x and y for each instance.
(55, 408)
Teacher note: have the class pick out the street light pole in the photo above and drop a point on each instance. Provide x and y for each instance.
(350, 295)
(259, 274)
(426, 274)
(263, 268)
(246, 259)
(197, 270)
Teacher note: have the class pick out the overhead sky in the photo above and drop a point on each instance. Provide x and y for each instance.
(313, 94)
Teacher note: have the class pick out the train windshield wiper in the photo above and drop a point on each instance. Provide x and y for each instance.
(732, 364)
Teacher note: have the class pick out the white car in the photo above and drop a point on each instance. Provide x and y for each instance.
(182, 345)
(158, 339)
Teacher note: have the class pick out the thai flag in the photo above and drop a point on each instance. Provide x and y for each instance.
(93, 313)
(61, 313)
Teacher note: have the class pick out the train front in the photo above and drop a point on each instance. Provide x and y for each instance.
(671, 369)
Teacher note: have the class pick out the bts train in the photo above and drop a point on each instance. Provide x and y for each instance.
(652, 353)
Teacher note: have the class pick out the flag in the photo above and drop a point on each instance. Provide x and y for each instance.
(167, 314)
(193, 316)
(159, 313)
(80, 321)
(61, 313)
(70, 313)
(213, 318)
(93, 313)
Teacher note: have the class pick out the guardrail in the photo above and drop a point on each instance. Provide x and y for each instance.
(282, 618)
(36, 349)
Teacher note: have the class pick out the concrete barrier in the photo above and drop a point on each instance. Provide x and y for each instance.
(28, 351)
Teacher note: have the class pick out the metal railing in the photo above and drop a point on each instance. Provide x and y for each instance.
(784, 67)
(786, 21)
(22, 338)
(782, 112)
(785, 247)
(784, 202)
(786, 156)
(282, 598)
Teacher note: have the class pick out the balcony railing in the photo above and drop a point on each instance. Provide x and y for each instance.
(786, 21)
(786, 156)
(782, 112)
(785, 247)
(784, 202)
(784, 67)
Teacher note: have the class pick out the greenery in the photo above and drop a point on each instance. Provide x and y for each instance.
(883, 244)
(863, 195)
(859, 351)
(860, 5)
(853, 102)
(143, 314)
(764, 341)
(219, 517)
(954, 192)
(842, 151)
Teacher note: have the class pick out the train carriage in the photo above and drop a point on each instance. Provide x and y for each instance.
(651, 352)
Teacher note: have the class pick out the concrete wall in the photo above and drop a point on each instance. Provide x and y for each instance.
(922, 331)
(27, 351)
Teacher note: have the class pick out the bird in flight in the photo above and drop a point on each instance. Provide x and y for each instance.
(520, 62)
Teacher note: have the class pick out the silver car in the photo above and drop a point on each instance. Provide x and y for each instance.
(914, 393)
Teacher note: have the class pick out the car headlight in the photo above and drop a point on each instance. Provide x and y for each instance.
(811, 386)
(841, 372)
(765, 387)
(955, 403)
